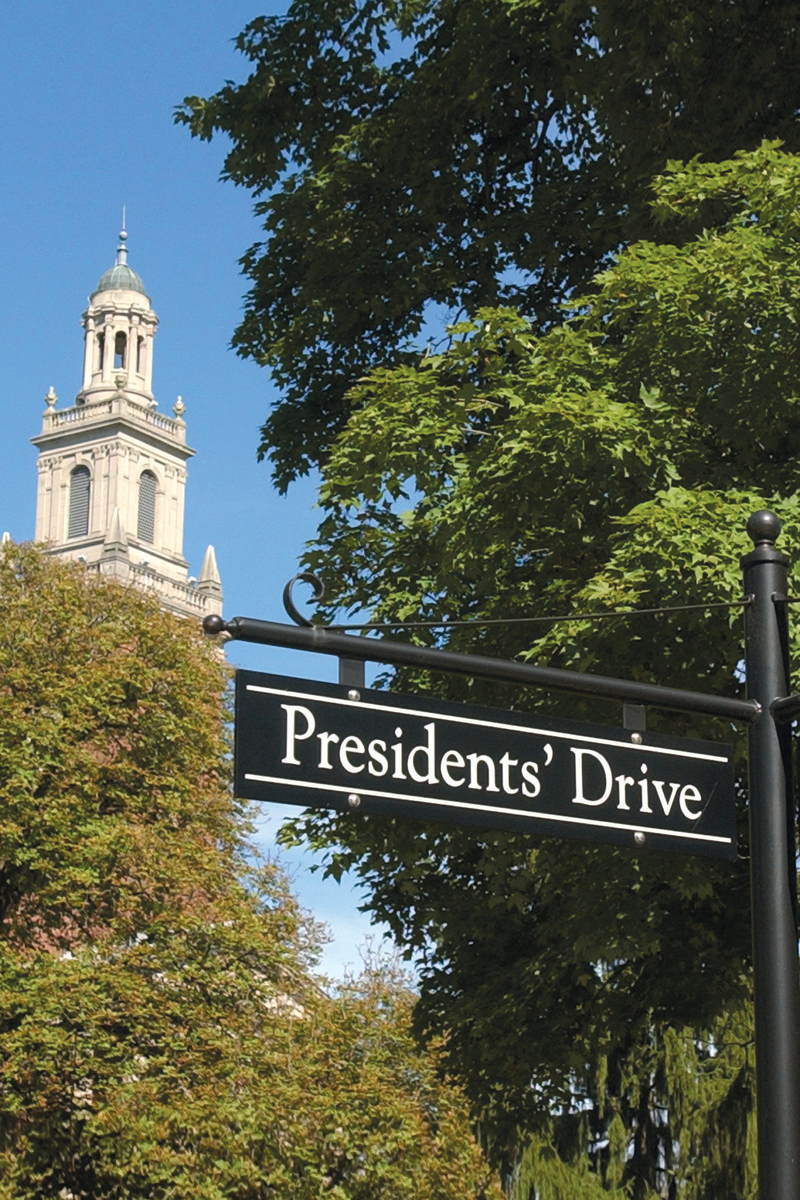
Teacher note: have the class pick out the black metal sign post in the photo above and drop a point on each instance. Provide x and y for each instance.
(773, 871)
(767, 710)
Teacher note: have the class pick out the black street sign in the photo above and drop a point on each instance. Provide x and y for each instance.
(326, 746)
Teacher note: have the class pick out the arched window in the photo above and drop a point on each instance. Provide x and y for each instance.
(119, 350)
(79, 488)
(146, 527)
(101, 350)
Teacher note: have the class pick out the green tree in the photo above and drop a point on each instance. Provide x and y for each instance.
(486, 160)
(453, 154)
(608, 464)
(162, 1035)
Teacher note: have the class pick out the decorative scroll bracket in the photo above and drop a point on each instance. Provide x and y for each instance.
(351, 670)
(288, 601)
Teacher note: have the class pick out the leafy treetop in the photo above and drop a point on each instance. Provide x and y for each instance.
(162, 1034)
(426, 156)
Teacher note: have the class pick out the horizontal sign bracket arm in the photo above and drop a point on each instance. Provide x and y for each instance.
(385, 650)
(786, 709)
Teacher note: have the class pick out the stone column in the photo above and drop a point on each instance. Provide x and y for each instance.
(108, 351)
(88, 353)
(147, 350)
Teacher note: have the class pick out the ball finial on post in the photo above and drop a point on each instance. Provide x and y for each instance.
(764, 527)
(212, 625)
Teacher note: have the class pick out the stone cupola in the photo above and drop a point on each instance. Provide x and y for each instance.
(119, 328)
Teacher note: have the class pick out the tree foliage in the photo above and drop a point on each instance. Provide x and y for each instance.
(453, 154)
(689, 1102)
(494, 162)
(162, 1035)
(609, 464)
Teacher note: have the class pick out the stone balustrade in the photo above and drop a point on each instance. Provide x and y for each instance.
(116, 406)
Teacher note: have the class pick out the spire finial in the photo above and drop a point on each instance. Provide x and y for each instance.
(122, 249)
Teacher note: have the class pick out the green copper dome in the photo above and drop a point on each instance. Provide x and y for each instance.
(120, 276)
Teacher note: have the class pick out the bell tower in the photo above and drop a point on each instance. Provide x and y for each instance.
(112, 469)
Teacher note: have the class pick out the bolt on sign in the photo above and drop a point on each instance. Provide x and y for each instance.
(324, 746)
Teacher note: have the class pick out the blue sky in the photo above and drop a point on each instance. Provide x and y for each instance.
(88, 92)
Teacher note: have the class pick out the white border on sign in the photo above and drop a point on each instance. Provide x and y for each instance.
(640, 747)
(488, 808)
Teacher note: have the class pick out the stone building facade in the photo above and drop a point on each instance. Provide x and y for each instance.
(112, 468)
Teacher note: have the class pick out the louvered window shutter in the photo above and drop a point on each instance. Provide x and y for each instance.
(79, 486)
(146, 529)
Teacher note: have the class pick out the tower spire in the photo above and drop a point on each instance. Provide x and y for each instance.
(209, 580)
(122, 249)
